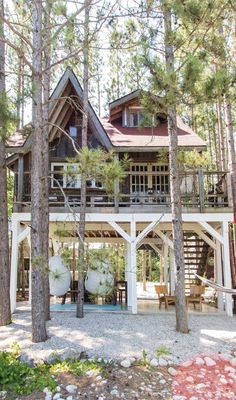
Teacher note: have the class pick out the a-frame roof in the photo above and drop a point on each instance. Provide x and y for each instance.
(18, 143)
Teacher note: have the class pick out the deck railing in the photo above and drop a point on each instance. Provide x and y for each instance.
(199, 190)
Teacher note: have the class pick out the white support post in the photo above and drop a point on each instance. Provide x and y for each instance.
(227, 270)
(133, 267)
(128, 275)
(172, 273)
(219, 276)
(14, 263)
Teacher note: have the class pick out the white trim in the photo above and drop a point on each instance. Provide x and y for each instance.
(148, 229)
(14, 263)
(125, 217)
(120, 231)
(227, 269)
(24, 234)
(212, 231)
(205, 237)
(165, 238)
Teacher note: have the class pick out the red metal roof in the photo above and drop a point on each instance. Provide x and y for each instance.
(121, 136)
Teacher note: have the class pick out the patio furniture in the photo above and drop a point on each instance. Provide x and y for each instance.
(122, 291)
(163, 296)
(196, 296)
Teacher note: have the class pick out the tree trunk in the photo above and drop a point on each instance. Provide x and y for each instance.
(80, 302)
(5, 310)
(220, 134)
(45, 172)
(37, 212)
(231, 157)
(181, 311)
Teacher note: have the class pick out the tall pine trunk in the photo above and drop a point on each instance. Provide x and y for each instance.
(45, 153)
(37, 212)
(80, 302)
(5, 310)
(232, 163)
(177, 229)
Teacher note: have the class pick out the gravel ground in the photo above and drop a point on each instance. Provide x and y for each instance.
(118, 336)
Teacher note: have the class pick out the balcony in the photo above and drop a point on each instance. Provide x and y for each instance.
(201, 191)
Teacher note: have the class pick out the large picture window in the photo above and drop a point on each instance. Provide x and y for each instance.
(149, 179)
(65, 175)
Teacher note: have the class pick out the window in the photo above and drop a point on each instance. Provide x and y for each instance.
(138, 117)
(149, 178)
(73, 131)
(65, 175)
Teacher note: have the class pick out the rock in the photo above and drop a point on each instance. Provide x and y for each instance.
(177, 397)
(223, 381)
(27, 360)
(233, 362)
(48, 396)
(187, 364)
(225, 357)
(194, 398)
(162, 362)
(209, 362)
(230, 369)
(162, 381)
(132, 360)
(125, 363)
(189, 379)
(115, 392)
(199, 361)
(154, 362)
(172, 371)
(64, 354)
(57, 396)
(200, 386)
(71, 388)
(69, 398)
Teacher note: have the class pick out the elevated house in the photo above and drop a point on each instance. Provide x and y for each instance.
(140, 212)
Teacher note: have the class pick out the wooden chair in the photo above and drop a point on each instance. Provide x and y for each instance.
(196, 296)
(163, 296)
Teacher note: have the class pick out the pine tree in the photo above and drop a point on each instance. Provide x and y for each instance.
(5, 311)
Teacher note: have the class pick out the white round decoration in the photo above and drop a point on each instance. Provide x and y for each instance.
(99, 281)
(59, 276)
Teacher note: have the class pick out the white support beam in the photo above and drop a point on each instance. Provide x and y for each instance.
(212, 231)
(14, 263)
(127, 217)
(148, 229)
(133, 267)
(203, 236)
(219, 275)
(120, 230)
(156, 249)
(24, 234)
(165, 238)
(227, 269)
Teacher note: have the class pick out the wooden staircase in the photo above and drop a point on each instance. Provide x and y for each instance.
(196, 252)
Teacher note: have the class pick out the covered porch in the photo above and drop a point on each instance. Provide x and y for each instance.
(135, 231)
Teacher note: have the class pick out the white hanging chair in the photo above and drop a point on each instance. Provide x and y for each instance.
(216, 286)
